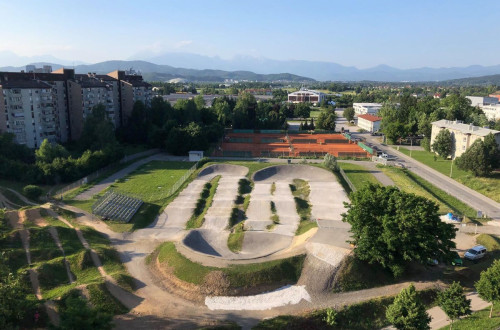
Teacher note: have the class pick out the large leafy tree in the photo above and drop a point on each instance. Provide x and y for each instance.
(453, 302)
(302, 110)
(48, 152)
(407, 311)
(479, 159)
(326, 120)
(76, 314)
(245, 111)
(393, 228)
(348, 113)
(98, 130)
(488, 285)
(395, 131)
(443, 144)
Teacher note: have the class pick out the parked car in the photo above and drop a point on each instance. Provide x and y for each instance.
(476, 253)
(456, 260)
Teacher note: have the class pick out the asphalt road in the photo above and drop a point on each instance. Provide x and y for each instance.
(452, 187)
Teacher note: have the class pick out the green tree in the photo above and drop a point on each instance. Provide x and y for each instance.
(394, 131)
(453, 302)
(98, 131)
(48, 152)
(14, 304)
(330, 162)
(348, 113)
(326, 120)
(443, 144)
(481, 158)
(407, 311)
(302, 110)
(488, 285)
(393, 228)
(32, 191)
(200, 102)
(77, 315)
(245, 111)
(223, 112)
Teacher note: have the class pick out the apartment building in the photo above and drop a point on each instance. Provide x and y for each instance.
(56, 103)
(366, 108)
(491, 111)
(478, 101)
(463, 135)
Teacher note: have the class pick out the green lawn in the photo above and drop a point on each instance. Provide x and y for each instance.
(152, 180)
(315, 114)
(358, 174)
(479, 320)
(279, 271)
(412, 183)
(489, 187)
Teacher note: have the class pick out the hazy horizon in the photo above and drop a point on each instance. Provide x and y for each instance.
(362, 34)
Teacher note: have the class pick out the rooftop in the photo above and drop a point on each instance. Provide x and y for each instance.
(370, 117)
(465, 128)
(368, 104)
(305, 91)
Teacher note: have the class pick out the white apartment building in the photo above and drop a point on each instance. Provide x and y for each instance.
(370, 123)
(27, 111)
(366, 108)
(491, 111)
(463, 135)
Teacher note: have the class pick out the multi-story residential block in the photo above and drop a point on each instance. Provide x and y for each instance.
(27, 110)
(366, 108)
(57, 103)
(463, 135)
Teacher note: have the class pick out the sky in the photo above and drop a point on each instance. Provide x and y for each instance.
(399, 33)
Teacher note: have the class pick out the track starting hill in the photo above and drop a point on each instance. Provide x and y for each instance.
(247, 143)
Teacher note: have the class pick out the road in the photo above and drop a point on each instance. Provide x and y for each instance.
(452, 187)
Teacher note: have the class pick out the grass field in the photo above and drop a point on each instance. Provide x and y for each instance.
(479, 320)
(412, 183)
(279, 271)
(490, 187)
(358, 174)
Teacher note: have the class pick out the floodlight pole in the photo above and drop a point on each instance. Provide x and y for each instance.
(411, 148)
(451, 167)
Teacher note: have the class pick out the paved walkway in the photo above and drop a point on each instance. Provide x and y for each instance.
(87, 194)
(452, 187)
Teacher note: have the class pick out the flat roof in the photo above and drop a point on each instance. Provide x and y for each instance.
(368, 104)
(464, 128)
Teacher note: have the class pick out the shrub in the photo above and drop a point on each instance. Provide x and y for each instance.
(32, 191)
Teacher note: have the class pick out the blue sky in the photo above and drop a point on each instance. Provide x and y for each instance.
(403, 34)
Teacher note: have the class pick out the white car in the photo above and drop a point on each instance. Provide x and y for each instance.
(477, 252)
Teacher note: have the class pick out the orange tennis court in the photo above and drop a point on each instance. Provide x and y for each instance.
(287, 145)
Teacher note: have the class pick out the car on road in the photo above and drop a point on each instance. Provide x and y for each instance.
(476, 253)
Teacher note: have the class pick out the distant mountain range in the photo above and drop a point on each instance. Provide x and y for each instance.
(155, 72)
(204, 68)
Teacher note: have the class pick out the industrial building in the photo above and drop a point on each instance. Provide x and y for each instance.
(366, 108)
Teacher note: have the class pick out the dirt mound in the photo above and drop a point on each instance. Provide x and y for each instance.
(290, 172)
(223, 169)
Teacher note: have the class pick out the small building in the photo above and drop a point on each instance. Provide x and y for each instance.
(366, 108)
(463, 135)
(305, 95)
(491, 111)
(478, 101)
(370, 123)
(195, 156)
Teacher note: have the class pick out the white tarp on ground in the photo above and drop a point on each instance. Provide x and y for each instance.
(290, 294)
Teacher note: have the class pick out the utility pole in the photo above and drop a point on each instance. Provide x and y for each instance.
(411, 148)
(451, 167)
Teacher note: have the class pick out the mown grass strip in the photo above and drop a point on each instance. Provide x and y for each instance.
(235, 239)
(300, 191)
(358, 175)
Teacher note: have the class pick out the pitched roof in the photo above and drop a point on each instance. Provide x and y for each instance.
(370, 117)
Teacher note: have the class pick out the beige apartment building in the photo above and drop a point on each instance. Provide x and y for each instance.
(53, 105)
(463, 135)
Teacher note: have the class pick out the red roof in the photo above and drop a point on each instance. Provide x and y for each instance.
(370, 117)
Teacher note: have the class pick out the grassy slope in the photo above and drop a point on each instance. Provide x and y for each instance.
(366, 315)
(358, 174)
(285, 270)
(412, 183)
(197, 221)
(479, 320)
(489, 187)
(300, 191)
